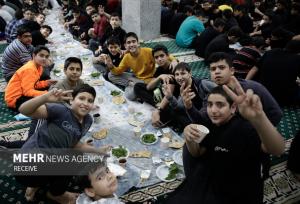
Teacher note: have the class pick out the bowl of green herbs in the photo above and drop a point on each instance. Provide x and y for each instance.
(56, 71)
(148, 138)
(167, 173)
(95, 74)
(115, 93)
(120, 152)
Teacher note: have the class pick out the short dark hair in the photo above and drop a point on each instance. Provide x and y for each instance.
(160, 47)
(220, 90)
(70, 60)
(84, 88)
(245, 41)
(40, 13)
(130, 34)
(293, 46)
(19, 14)
(218, 56)
(227, 13)
(94, 13)
(75, 10)
(113, 41)
(115, 14)
(182, 66)
(90, 4)
(258, 41)
(39, 48)
(283, 3)
(282, 33)
(189, 9)
(241, 8)
(83, 179)
(47, 27)
(21, 29)
(29, 9)
(219, 22)
(199, 13)
(235, 31)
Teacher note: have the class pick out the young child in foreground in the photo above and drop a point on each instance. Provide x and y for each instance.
(99, 185)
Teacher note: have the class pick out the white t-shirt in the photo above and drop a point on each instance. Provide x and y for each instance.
(84, 199)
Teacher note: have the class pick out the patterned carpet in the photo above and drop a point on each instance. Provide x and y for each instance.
(172, 47)
(280, 188)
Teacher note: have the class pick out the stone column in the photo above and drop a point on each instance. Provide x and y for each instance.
(142, 17)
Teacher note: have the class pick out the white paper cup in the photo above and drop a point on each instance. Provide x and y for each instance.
(203, 132)
(164, 142)
(137, 131)
(97, 118)
(166, 132)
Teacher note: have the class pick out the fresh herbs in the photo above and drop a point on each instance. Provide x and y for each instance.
(119, 152)
(148, 138)
(95, 74)
(56, 71)
(115, 93)
(173, 170)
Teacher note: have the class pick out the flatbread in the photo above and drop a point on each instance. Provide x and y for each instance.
(118, 100)
(140, 154)
(97, 82)
(176, 144)
(100, 134)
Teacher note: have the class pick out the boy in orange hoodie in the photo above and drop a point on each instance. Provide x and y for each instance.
(25, 83)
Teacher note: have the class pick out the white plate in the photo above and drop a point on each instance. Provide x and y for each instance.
(135, 123)
(162, 172)
(120, 157)
(177, 157)
(139, 116)
(116, 169)
(156, 138)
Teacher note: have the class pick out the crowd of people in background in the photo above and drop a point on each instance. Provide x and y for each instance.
(252, 49)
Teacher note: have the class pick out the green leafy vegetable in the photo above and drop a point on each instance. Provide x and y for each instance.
(148, 138)
(173, 170)
(119, 152)
(115, 93)
(56, 70)
(95, 74)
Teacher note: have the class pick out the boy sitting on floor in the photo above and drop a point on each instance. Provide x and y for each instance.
(99, 185)
(113, 30)
(113, 50)
(73, 71)
(139, 60)
(25, 83)
(151, 92)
